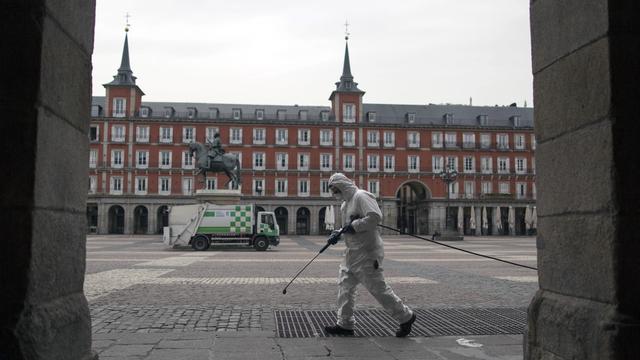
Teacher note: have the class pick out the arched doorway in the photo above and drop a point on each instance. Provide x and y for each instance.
(140, 220)
(116, 220)
(413, 213)
(259, 208)
(322, 227)
(163, 218)
(302, 221)
(282, 218)
(92, 218)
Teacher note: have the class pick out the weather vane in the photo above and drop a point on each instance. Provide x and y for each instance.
(126, 27)
(346, 30)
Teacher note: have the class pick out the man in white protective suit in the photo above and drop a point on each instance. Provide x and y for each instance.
(362, 262)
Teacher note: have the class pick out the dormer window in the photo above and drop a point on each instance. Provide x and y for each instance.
(236, 113)
(282, 115)
(371, 116)
(168, 112)
(448, 119)
(515, 120)
(96, 110)
(259, 114)
(411, 118)
(483, 120)
(324, 115)
(144, 112)
(213, 113)
(192, 113)
(302, 114)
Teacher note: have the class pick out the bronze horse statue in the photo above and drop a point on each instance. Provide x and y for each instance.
(227, 163)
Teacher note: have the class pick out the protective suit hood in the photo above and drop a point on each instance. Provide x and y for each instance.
(344, 184)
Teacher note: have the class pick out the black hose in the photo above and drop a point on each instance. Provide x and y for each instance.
(453, 247)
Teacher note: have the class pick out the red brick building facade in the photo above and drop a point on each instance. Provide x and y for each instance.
(139, 162)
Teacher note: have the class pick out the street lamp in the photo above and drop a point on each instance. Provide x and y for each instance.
(448, 176)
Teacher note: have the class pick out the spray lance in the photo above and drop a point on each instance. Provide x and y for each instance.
(333, 239)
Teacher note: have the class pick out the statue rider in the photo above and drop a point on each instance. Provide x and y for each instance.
(215, 148)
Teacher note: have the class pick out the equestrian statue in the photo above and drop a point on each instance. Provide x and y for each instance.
(212, 157)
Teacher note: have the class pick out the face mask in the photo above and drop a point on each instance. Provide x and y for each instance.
(338, 196)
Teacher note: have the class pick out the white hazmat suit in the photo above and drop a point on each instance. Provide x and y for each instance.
(363, 256)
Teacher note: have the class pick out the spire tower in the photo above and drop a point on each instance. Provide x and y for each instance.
(346, 99)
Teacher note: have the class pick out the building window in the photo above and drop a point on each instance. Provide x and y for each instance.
(116, 185)
(326, 137)
(259, 136)
(515, 120)
(324, 116)
(213, 113)
(165, 159)
(504, 188)
(371, 116)
(437, 164)
(324, 188)
(235, 135)
(117, 133)
(347, 160)
(325, 162)
(282, 115)
(303, 162)
(413, 162)
(413, 139)
(188, 135)
(258, 161)
(304, 137)
(259, 114)
(521, 190)
(211, 183)
(119, 106)
(348, 138)
(483, 120)
(349, 111)
(93, 158)
(142, 134)
(192, 113)
(502, 141)
(187, 186)
(469, 141)
(166, 135)
(533, 141)
(389, 163)
(236, 114)
(93, 184)
(486, 187)
(485, 141)
(453, 190)
(165, 186)
(389, 139)
(258, 187)
(142, 159)
(521, 166)
(94, 133)
(283, 161)
(468, 189)
(303, 187)
(282, 136)
(533, 165)
(436, 139)
(141, 185)
(469, 164)
(302, 114)
(486, 165)
(519, 141)
(281, 187)
(373, 186)
(451, 140)
(117, 159)
(372, 139)
(96, 110)
(372, 162)
(533, 190)
(187, 160)
(503, 165)
(452, 162)
(411, 118)
(211, 131)
(144, 112)
(168, 112)
(448, 119)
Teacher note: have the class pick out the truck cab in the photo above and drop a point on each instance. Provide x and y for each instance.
(267, 226)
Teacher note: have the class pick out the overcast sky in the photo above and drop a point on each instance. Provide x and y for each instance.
(291, 52)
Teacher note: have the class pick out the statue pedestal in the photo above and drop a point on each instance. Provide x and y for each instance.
(219, 196)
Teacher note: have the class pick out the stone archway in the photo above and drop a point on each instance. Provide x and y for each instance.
(92, 218)
(140, 220)
(282, 218)
(116, 220)
(412, 207)
(163, 218)
(303, 220)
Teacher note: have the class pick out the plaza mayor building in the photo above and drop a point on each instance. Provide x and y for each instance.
(407, 155)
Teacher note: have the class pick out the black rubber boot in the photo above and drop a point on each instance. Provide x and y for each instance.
(338, 330)
(405, 328)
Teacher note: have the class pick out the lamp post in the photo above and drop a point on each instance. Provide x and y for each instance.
(449, 175)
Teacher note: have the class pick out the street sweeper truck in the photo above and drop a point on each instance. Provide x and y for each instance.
(203, 225)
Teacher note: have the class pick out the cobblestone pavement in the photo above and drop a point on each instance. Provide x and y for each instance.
(135, 285)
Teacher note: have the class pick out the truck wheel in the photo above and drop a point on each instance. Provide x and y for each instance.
(200, 243)
(261, 243)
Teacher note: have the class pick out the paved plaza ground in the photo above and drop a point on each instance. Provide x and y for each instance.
(152, 302)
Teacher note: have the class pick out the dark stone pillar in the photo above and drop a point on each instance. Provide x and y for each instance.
(586, 64)
(45, 93)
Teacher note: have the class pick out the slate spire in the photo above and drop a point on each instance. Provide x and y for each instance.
(124, 75)
(346, 82)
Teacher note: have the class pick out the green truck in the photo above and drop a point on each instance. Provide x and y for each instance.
(203, 225)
